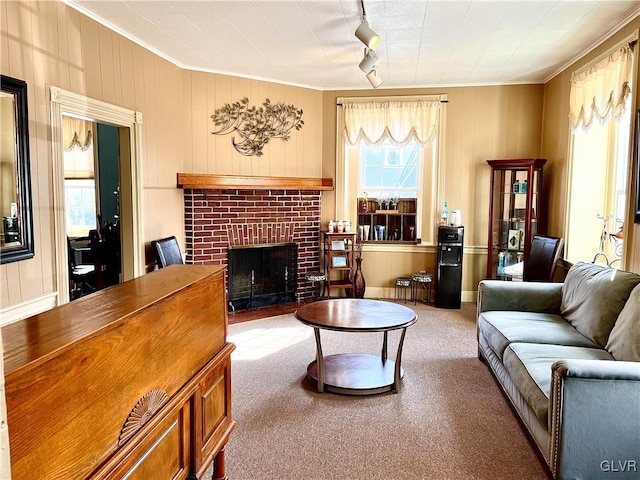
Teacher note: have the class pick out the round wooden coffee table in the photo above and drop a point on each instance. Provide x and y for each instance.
(355, 373)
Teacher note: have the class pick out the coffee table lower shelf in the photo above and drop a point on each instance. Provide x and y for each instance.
(356, 374)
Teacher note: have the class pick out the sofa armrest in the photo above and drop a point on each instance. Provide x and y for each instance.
(543, 297)
(595, 419)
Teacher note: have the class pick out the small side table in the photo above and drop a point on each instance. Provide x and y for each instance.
(425, 280)
(402, 284)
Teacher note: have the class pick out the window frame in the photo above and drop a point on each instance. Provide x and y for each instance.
(428, 204)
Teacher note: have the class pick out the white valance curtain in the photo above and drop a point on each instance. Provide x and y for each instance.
(78, 151)
(397, 121)
(600, 91)
(76, 133)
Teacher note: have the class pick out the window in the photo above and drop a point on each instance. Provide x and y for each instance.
(600, 153)
(390, 170)
(80, 202)
(390, 148)
(79, 177)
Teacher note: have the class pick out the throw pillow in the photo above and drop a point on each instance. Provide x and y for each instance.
(593, 296)
(624, 341)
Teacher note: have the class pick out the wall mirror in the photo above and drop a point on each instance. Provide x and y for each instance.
(16, 236)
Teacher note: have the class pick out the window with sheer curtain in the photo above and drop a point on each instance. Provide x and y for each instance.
(600, 116)
(79, 176)
(390, 149)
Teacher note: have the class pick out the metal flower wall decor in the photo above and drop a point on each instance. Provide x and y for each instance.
(256, 126)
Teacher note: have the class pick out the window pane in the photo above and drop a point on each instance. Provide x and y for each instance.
(80, 199)
(599, 153)
(391, 170)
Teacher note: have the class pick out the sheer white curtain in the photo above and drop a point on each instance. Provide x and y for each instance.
(397, 121)
(600, 91)
(600, 103)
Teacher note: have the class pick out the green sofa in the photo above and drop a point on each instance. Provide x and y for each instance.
(567, 355)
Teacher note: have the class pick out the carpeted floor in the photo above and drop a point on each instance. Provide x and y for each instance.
(450, 421)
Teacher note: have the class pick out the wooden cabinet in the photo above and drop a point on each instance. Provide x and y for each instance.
(517, 211)
(339, 260)
(398, 222)
(133, 381)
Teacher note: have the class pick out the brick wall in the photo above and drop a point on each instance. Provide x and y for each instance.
(215, 219)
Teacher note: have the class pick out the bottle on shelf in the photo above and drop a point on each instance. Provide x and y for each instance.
(516, 186)
(444, 215)
(523, 187)
(500, 263)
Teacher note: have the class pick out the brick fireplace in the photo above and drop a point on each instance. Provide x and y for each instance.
(218, 217)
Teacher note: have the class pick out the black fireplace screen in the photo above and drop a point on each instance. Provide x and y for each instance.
(261, 275)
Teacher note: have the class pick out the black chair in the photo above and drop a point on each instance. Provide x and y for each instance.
(543, 257)
(167, 252)
(82, 278)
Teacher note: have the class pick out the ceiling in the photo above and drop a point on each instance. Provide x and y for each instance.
(424, 43)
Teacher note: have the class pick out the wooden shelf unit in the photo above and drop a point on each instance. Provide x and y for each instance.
(339, 260)
(399, 223)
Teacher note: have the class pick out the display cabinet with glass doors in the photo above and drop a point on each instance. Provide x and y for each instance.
(516, 213)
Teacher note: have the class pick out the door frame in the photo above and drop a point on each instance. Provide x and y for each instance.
(63, 102)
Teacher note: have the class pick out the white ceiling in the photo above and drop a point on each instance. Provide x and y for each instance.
(423, 43)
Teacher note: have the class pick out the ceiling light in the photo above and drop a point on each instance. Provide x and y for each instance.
(369, 61)
(373, 79)
(367, 36)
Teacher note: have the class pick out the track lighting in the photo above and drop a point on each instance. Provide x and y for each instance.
(370, 39)
(367, 36)
(372, 76)
(369, 61)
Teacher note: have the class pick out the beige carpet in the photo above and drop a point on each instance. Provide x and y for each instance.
(450, 421)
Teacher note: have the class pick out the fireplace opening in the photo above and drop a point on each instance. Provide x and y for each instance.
(261, 275)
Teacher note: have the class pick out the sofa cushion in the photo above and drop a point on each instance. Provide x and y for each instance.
(624, 340)
(593, 296)
(502, 328)
(529, 366)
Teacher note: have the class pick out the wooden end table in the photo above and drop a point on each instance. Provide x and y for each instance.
(354, 373)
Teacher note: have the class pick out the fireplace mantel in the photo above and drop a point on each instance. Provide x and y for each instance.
(213, 182)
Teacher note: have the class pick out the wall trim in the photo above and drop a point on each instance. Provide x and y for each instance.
(388, 293)
(419, 248)
(27, 309)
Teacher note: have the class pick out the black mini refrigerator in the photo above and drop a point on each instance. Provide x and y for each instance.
(449, 266)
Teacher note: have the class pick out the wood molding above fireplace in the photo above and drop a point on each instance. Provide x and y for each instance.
(216, 182)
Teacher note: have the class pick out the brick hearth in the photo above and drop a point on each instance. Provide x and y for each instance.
(215, 219)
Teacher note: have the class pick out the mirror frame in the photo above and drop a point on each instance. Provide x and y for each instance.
(637, 165)
(23, 171)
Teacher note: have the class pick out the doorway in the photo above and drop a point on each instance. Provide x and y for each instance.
(92, 205)
(124, 128)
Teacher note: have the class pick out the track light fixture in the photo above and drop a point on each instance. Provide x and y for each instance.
(366, 35)
(370, 39)
(373, 78)
(368, 61)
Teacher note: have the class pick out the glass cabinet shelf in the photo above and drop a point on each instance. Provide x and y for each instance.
(515, 215)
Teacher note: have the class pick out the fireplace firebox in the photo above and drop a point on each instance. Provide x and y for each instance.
(261, 275)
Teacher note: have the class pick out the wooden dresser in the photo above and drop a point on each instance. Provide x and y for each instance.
(131, 382)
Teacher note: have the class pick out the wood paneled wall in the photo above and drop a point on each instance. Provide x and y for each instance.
(208, 153)
(47, 43)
